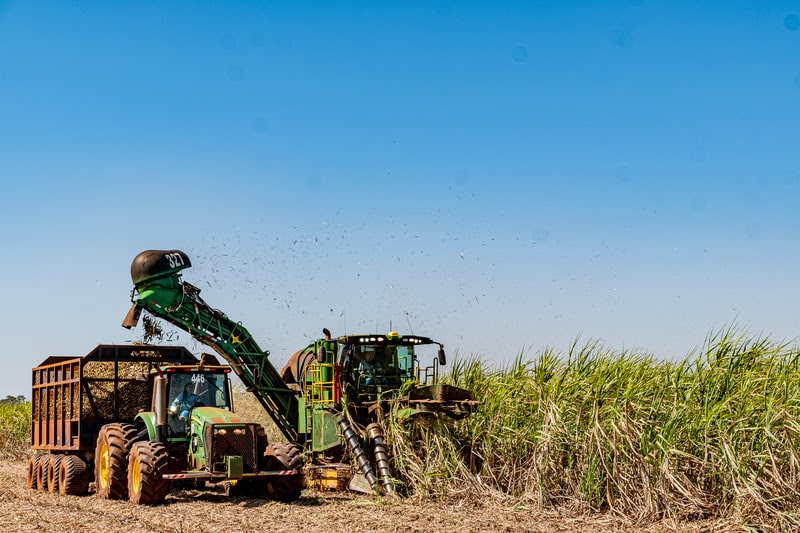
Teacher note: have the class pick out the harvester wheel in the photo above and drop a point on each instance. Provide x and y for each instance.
(30, 482)
(53, 464)
(147, 464)
(41, 472)
(111, 460)
(73, 476)
(284, 456)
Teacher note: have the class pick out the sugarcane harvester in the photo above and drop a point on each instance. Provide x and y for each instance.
(330, 396)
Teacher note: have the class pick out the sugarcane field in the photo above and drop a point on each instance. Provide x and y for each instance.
(590, 440)
(434, 266)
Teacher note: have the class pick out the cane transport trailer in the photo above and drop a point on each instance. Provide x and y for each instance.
(104, 419)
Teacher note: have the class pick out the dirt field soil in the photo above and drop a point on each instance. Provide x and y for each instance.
(22, 509)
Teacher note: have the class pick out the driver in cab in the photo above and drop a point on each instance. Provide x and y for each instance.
(368, 366)
(184, 402)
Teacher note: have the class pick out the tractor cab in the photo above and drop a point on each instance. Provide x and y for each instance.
(191, 387)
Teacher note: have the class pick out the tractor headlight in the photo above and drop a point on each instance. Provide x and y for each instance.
(239, 431)
(222, 431)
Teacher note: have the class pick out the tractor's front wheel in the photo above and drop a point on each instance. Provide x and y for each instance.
(111, 460)
(284, 456)
(147, 464)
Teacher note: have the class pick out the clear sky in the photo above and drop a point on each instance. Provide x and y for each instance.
(501, 178)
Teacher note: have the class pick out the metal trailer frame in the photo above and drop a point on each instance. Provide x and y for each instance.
(68, 407)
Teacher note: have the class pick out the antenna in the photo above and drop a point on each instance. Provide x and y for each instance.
(410, 329)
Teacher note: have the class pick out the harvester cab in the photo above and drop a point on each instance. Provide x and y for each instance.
(374, 365)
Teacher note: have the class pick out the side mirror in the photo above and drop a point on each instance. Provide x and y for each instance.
(442, 358)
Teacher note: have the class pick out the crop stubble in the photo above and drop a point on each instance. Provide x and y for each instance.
(22, 509)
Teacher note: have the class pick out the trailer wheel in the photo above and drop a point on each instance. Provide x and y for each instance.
(53, 465)
(73, 476)
(284, 456)
(111, 460)
(147, 464)
(41, 472)
(30, 482)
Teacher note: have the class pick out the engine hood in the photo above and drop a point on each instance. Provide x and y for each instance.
(215, 415)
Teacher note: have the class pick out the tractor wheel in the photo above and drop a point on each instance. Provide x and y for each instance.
(73, 476)
(147, 464)
(32, 464)
(41, 472)
(284, 456)
(111, 460)
(53, 466)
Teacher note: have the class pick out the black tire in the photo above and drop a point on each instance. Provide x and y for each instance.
(30, 482)
(73, 476)
(247, 488)
(53, 464)
(111, 460)
(284, 456)
(147, 464)
(41, 473)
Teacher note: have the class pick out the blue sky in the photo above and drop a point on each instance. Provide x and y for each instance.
(502, 178)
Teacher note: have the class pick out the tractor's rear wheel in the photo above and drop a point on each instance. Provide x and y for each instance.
(30, 482)
(53, 464)
(111, 460)
(284, 456)
(147, 464)
(73, 476)
(41, 472)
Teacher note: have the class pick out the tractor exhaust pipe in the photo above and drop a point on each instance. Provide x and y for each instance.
(160, 407)
(375, 434)
(351, 438)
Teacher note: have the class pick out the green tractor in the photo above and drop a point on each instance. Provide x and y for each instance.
(193, 437)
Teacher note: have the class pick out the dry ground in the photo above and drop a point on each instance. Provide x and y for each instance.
(22, 509)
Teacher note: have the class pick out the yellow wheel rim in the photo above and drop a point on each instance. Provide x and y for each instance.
(136, 476)
(103, 459)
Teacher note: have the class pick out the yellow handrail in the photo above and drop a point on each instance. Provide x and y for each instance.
(319, 390)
